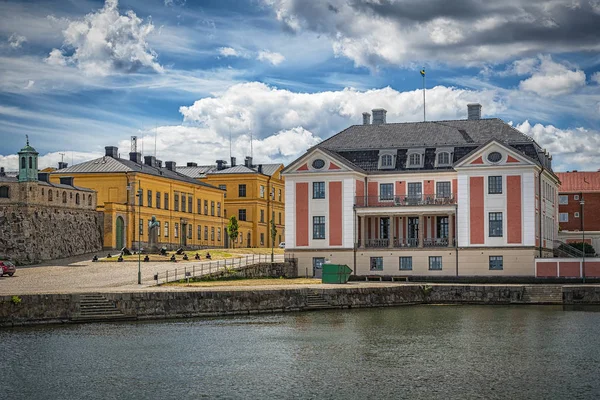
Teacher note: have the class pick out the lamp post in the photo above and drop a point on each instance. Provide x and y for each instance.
(139, 195)
(582, 203)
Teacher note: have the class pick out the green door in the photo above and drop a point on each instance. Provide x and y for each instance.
(120, 232)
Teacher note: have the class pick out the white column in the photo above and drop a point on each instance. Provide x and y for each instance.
(391, 232)
(450, 231)
(421, 229)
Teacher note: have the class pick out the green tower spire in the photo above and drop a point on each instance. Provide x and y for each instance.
(28, 163)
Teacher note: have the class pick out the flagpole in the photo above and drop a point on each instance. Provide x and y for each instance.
(424, 116)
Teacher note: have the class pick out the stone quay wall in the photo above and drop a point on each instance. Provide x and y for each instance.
(32, 233)
(61, 308)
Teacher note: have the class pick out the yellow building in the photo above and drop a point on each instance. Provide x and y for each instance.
(190, 212)
(255, 194)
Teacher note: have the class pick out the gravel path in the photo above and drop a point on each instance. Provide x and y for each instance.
(76, 276)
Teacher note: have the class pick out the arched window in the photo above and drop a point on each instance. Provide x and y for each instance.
(4, 192)
(444, 158)
(386, 160)
(23, 163)
(42, 192)
(77, 198)
(30, 162)
(64, 197)
(49, 195)
(90, 200)
(415, 159)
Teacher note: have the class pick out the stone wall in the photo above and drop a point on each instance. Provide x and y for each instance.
(30, 234)
(287, 269)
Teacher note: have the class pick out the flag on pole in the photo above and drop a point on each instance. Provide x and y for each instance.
(422, 72)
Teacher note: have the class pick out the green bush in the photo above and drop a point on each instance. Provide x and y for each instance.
(589, 249)
(16, 300)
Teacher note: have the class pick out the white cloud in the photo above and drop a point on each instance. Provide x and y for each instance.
(596, 77)
(570, 148)
(29, 85)
(553, 79)
(228, 52)
(272, 57)
(15, 40)
(105, 42)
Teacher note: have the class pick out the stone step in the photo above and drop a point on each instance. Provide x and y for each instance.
(103, 318)
(315, 300)
(543, 294)
(92, 309)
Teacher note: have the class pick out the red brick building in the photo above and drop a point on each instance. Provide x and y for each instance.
(577, 220)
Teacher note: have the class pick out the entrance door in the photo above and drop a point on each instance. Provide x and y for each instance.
(318, 267)
(413, 231)
(249, 240)
(384, 227)
(120, 232)
(184, 233)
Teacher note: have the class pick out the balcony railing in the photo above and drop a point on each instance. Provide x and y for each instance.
(407, 243)
(411, 200)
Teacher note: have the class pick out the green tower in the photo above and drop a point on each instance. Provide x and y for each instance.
(28, 163)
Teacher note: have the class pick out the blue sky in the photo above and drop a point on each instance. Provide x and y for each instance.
(81, 75)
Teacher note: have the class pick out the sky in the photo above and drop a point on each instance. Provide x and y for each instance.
(196, 81)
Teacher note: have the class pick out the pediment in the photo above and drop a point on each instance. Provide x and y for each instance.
(493, 154)
(318, 161)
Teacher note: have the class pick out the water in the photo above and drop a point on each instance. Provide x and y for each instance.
(490, 352)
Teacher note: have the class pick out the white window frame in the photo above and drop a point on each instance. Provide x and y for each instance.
(563, 199)
(440, 151)
(383, 154)
(420, 152)
(563, 217)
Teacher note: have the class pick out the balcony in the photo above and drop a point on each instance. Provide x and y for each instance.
(408, 243)
(444, 199)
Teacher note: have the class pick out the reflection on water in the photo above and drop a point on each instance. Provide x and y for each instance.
(492, 352)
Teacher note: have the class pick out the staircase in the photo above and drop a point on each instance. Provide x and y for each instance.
(97, 308)
(314, 301)
(543, 294)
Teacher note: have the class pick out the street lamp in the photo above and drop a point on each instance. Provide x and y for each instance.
(139, 195)
(582, 203)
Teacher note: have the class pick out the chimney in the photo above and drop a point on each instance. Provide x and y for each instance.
(159, 163)
(135, 157)
(221, 164)
(2, 173)
(192, 164)
(233, 160)
(171, 165)
(366, 118)
(66, 180)
(150, 160)
(111, 151)
(62, 165)
(248, 161)
(378, 116)
(474, 111)
(260, 168)
(42, 177)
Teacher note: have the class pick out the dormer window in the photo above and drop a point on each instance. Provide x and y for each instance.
(443, 157)
(415, 158)
(387, 159)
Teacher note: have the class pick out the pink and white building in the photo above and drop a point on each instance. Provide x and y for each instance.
(446, 198)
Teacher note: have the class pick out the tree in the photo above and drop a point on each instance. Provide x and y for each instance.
(273, 236)
(233, 230)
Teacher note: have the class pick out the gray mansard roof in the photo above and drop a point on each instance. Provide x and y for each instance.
(359, 145)
(203, 170)
(108, 164)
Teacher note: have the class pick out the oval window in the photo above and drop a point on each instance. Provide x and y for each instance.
(318, 163)
(494, 157)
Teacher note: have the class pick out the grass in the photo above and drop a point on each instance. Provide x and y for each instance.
(249, 282)
(216, 254)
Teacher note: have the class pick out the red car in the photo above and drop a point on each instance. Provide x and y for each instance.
(8, 268)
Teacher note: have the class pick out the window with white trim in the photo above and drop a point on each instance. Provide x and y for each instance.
(376, 264)
(386, 160)
(496, 263)
(563, 217)
(415, 158)
(563, 199)
(443, 158)
(405, 263)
